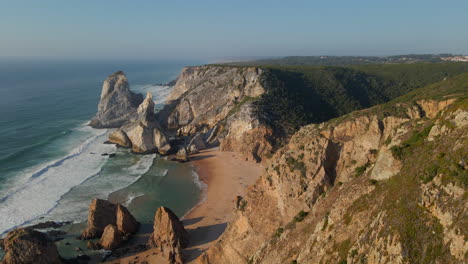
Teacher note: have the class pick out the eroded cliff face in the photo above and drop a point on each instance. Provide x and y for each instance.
(217, 102)
(375, 186)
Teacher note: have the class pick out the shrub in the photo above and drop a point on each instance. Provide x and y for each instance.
(361, 169)
(300, 216)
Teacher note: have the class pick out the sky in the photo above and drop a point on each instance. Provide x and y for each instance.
(209, 29)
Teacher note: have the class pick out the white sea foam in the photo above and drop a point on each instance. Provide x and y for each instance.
(40, 190)
(201, 185)
(159, 93)
(73, 206)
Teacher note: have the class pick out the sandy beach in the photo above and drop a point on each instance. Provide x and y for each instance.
(226, 175)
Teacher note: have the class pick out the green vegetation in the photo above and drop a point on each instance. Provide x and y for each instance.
(399, 197)
(361, 169)
(296, 165)
(278, 232)
(299, 95)
(417, 138)
(345, 60)
(300, 216)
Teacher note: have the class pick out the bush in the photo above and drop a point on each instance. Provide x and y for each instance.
(361, 169)
(300, 216)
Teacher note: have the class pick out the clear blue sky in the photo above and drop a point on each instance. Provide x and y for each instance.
(199, 29)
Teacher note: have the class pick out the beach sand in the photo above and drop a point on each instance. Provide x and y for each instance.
(226, 175)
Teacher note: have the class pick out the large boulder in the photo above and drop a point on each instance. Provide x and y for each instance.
(23, 246)
(111, 238)
(169, 235)
(126, 223)
(143, 134)
(103, 213)
(141, 137)
(182, 155)
(120, 138)
(196, 144)
(118, 104)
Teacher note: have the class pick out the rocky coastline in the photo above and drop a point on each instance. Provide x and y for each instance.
(324, 181)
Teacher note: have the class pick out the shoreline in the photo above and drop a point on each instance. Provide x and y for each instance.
(225, 175)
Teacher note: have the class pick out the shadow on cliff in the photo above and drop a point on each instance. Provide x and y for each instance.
(192, 221)
(200, 236)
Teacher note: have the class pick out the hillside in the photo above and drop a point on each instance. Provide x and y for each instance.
(382, 185)
(347, 60)
(254, 110)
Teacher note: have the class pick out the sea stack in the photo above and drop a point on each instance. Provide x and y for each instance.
(143, 135)
(118, 104)
(103, 213)
(169, 235)
(28, 246)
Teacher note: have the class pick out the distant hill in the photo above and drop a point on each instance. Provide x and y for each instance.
(347, 60)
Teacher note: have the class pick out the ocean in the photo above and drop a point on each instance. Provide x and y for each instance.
(51, 162)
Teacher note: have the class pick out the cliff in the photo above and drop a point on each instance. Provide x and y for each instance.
(382, 185)
(255, 110)
(216, 101)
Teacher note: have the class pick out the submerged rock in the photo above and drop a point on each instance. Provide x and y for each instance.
(118, 104)
(28, 246)
(169, 235)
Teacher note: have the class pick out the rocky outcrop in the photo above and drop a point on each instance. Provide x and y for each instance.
(103, 213)
(182, 155)
(247, 135)
(143, 135)
(23, 246)
(196, 144)
(111, 237)
(340, 192)
(126, 223)
(118, 104)
(169, 235)
(204, 104)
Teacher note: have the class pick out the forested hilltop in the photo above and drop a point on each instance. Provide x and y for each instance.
(300, 95)
(351, 60)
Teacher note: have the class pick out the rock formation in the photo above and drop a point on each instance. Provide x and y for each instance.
(196, 144)
(118, 104)
(125, 221)
(111, 237)
(23, 246)
(204, 103)
(103, 213)
(169, 235)
(182, 155)
(143, 134)
(341, 192)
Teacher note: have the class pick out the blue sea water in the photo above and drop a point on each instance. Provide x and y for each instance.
(50, 162)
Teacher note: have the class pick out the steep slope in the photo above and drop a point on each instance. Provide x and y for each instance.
(254, 110)
(382, 185)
